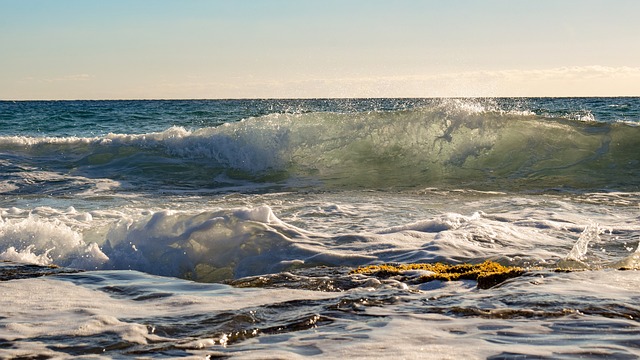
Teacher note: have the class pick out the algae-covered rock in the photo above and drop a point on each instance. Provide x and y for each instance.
(487, 274)
(207, 273)
(13, 271)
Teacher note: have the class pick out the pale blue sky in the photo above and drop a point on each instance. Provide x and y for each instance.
(90, 49)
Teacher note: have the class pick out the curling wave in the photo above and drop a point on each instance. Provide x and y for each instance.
(421, 147)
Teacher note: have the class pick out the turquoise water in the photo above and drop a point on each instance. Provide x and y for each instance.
(98, 118)
(229, 227)
(536, 144)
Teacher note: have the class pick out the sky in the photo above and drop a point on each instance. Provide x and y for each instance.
(209, 49)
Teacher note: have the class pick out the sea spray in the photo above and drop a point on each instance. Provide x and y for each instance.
(579, 251)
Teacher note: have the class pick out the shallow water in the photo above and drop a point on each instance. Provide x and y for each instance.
(230, 228)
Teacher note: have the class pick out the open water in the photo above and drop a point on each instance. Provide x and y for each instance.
(229, 228)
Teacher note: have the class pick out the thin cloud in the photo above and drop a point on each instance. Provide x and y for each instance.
(582, 72)
(64, 78)
(560, 81)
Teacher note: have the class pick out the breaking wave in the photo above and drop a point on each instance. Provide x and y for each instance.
(422, 147)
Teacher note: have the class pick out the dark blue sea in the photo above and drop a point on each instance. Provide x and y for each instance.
(231, 228)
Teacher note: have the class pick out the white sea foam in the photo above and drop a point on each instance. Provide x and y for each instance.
(7, 186)
(224, 241)
(44, 242)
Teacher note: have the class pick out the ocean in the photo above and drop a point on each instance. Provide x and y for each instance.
(233, 228)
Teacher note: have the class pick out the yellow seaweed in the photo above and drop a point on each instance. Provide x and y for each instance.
(487, 274)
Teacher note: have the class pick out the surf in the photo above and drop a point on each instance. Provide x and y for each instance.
(462, 146)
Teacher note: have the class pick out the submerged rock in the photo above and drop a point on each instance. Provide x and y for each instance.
(12, 271)
(487, 275)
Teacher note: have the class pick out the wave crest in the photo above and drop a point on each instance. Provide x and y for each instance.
(452, 145)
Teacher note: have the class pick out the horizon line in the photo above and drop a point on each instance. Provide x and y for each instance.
(334, 98)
